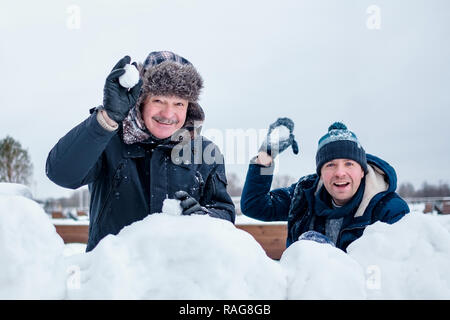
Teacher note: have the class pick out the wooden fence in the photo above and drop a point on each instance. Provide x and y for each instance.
(272, 237)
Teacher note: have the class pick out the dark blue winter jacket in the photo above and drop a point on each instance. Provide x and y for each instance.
(296, 204)
(127, 182)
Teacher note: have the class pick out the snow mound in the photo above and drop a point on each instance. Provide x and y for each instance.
(409, 259)
(15, 189)
(179, 257)
(32, 265)
(170, 256)
(321, 271)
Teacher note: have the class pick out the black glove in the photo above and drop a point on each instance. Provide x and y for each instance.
(189, 204)
(273, 148)
(118, 100)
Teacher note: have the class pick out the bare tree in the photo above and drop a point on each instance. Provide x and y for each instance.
(15, 164)
(426, 190)
(78, 199)
(406, 190)
(429, 190)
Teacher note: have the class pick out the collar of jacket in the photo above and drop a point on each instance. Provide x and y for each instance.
(137, 150)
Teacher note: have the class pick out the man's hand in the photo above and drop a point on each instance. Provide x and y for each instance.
(118, 100)
(189, 204)
(278, 141)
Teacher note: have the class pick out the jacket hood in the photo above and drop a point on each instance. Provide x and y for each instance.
(386, 169)
(381, 179)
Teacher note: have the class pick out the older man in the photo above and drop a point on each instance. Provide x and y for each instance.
(125, 150)
(349, 191)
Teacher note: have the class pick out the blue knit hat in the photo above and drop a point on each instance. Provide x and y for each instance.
(340, 143)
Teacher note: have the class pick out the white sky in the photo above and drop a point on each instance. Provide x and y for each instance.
(314, 61)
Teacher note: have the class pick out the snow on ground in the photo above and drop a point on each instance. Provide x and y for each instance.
(320, 271)
(15, 189)
(71, 249)
(409, 259)
(179, 257)
(166, 256)
(32, 266)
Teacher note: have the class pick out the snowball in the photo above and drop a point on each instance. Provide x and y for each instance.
(185, 257)
(172, 207)
(409, 259)
(130, 78)
(7, 188)
(279, 133)
(32, 262)
(321, 271)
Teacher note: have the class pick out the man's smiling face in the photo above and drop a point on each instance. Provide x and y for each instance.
(341, 178)
(163, 115)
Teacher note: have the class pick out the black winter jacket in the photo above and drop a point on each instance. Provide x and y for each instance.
(128, 182)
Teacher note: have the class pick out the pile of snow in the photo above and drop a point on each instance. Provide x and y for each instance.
(179, 257)
(71, 249)
(171, 256)
(32, 265)
(15, 189)
(409, 259)
(321, 271)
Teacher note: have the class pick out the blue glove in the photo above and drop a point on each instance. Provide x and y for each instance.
(315, 236)
(273, 148)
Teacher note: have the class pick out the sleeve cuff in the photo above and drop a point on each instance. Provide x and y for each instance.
(101, 120)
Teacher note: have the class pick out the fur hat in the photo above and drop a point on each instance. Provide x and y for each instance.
(168, 74)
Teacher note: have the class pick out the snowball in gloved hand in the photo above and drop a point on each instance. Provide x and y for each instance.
(279, 133)
(172, 207)
(130, 78)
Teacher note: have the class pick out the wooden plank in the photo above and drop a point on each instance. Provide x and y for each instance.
(57, 215)
(271, 237)
(73, 233)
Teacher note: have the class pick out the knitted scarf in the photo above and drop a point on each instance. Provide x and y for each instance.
(323, 208)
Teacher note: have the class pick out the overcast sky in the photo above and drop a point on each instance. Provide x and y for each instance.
(381, 67)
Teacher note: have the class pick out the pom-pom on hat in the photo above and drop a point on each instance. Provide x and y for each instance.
(339, 143)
